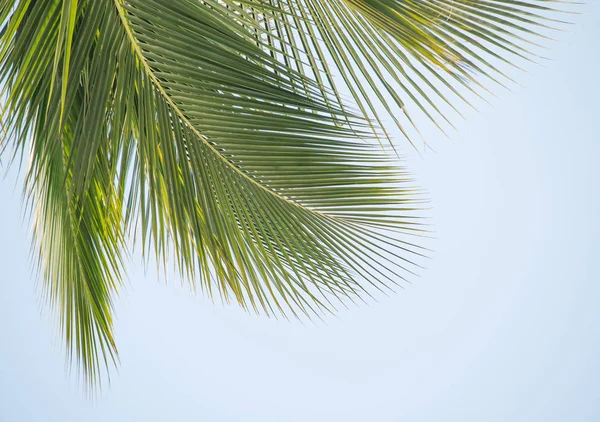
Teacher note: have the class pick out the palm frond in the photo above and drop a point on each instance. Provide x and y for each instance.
(403, 58)
(214, 129)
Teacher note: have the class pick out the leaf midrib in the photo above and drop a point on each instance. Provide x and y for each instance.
(185, 120)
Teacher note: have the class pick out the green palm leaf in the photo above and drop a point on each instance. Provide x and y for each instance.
(215, 132)
(415, 57)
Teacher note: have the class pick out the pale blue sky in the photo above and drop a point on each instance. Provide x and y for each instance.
(504, 324)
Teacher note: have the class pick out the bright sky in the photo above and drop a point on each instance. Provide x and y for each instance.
(503, 325)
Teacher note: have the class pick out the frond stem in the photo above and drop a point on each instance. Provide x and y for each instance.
(185, 120)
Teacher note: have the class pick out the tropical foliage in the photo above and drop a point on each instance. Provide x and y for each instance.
(242, 140)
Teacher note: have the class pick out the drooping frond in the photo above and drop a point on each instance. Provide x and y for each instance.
(404, 58)
(214, 129)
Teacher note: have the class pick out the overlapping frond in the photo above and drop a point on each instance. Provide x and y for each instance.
(403, 58)
(214, 129)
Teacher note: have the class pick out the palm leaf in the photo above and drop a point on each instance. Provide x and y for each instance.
(399, 59)
(213, 130)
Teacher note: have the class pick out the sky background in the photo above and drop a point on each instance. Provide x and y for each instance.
(503, 325)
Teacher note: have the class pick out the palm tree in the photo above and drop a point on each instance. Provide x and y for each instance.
(244, 138)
